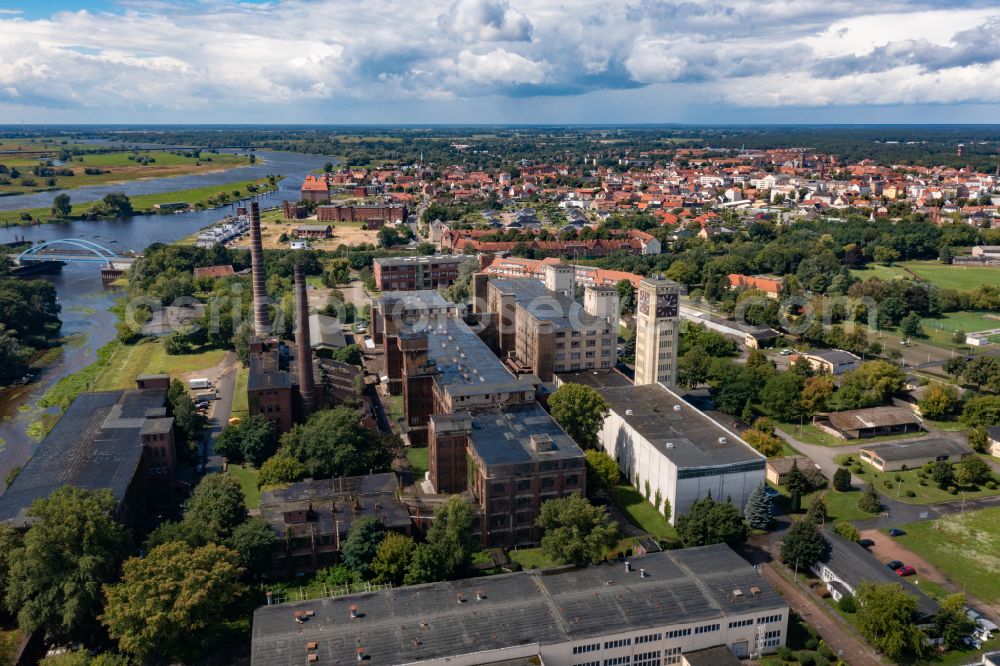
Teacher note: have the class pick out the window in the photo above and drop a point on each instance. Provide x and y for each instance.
(572, 480)
(772, 634)
(589, 663)
(524, 485)
(706, 628)
(772, 639)
(648, 638)
(617, 661)
(741, 623)
(672, 655)
(621, 642)
(582, 649)
(769, 619)
(647, 659)
(677, 633)
(548, 482)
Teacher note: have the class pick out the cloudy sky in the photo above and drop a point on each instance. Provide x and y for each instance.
(496, 61)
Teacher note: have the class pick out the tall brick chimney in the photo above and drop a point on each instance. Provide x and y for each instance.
(303, 353)
(260, 324)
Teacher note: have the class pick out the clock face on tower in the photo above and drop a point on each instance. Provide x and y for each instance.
(643, 307)
(666, 305)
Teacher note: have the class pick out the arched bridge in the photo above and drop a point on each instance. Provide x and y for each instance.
(74, 251)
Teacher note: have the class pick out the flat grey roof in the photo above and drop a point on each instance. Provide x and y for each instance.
(546, 305)
(920, 448)
(95, 444)
(720, 655)
(855, 565)
(465, 365)
(873, 417)
(437, 258)
(414, 300)
(663, 417)
(325, 331)
(423, 622)
(833, 355)
(503, 436)
(595, 379)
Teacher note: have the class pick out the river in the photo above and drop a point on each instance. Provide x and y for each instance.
(85, 300)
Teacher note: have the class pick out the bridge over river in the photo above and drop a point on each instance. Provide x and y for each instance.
(54, 253)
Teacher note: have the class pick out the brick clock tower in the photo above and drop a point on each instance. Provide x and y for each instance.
(656, 316)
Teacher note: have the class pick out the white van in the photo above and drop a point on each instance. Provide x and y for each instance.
(201, 383)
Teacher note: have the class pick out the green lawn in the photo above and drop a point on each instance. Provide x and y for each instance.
(149, 357)
(943, 275)
(532, 558)
(928, 493)
(240, 407)
(881, 272)
(641, 513)
(247, 476)
(394, 409)
(419, 461)
(940, 329)
(840, 506)
(965, 548)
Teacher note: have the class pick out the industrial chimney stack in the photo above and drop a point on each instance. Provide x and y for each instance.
(260, 324)
(303, 354)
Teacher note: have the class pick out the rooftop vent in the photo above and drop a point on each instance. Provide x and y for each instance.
(361, 654)
(629, 412)
(628, 566)
(461, 598)
(722, 440)
(669, 445)
(479, 595)
(642, 573)
(677, 408)
(354, 612)
(542, 442)
(737, 593)
(754, 590)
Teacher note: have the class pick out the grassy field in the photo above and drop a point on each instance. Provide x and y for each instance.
(965, 548)
(240, 407)
(910, 481)
(118, 166)
(394, 409)
(149, 357)
(532, 558)
(840, 506)
(247, 476)
(197, 197)
(943, 275)
(940, 329)
(641, 513)
(419, 461)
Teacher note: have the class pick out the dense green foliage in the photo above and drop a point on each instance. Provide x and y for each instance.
(580, 410)
(576, 531)
(709, 522)
(333, 443)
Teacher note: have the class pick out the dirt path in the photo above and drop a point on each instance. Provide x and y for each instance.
(836, 635)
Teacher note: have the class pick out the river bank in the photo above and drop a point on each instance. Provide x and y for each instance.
(87, 302)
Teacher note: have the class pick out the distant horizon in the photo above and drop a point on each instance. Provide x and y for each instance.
(595, 125)
(502, 62)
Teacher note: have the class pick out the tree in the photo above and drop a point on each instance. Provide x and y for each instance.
(55, 575)
(709, 522)
(242, 338)
(217, 504)
(626, 293)
(333, 443)
(338, 272)
(886, 255)
(177, 344)
(885, 618)
(870, 385)
(253, 541)
(580, 410)
(910, 326)
(939, 402)
(576, 531)
(602, 470)
(958, 338)
(781, 395)
(61, 206)
(951, 623)
(350, 354)
(842, 480)
(253, 440)
(973, 471)
(847, 531)
(943, 474)
(816, 391)
(795, 501)
(10, 541)
(759, 510)
(978, 439)
(766, 444)
(796, 480)
(803, 545)
(282, 467)
(450, 541)
(692, 367)
(363, 539)
(173, 602)
(870, 502)
(392, 558)
(982, 411)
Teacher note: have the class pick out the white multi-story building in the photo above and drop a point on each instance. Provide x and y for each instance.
(679, 451)
(695, 606)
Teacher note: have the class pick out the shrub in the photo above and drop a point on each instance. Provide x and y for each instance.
(785, 654)
(827, 651)
(897, 476)
(888, 484)
(992, 485)
(848, 604)
(806, 658)
(859, 470)
(952, 490)
(910, 493)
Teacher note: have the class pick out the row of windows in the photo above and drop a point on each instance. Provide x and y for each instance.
(677, 633)
(696, 472)
(621, 642)
(741, 623)
(706, 628)
(617, 661)
(769, 619)
(581, 649)
(649, 638)
(772, 634)
(647, 659)
(589, 663)
(772, 642)
(672, 655)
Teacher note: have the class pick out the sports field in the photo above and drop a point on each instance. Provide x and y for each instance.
(943, 275)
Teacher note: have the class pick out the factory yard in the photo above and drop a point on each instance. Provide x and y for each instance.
(273, 225)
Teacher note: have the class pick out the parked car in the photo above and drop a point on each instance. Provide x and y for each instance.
(866, 543)
(982, 633)
(972, 643)
(786, 352)
(905, 570)
(894, 564)
(987, 625)
(771, 492)
(896, 532)
(201, 405)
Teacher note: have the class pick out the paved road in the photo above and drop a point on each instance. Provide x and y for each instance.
(221, 409)
(837, 635)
